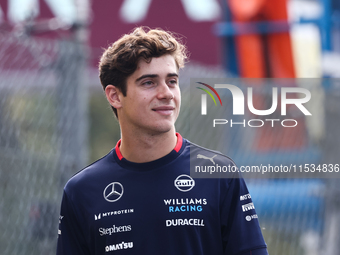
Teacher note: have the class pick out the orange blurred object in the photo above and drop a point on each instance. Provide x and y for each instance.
(263, 55)
(266, 55)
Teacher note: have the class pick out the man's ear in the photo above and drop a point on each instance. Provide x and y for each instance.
(113, 95)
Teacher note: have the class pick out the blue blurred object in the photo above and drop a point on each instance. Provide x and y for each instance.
(299, 203)
(276, 158)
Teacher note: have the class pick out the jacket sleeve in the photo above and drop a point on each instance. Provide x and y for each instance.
(71, 237)
(241, 232)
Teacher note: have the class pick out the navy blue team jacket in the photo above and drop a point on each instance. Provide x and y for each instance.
(119, 207)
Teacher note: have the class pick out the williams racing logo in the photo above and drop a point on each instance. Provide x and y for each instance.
(185, 204)
(184, 183)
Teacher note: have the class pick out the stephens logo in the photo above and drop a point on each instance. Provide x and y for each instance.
(114, 229)
(204, 97)
(184, 183)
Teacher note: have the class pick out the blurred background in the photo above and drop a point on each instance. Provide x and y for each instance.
(54, 119)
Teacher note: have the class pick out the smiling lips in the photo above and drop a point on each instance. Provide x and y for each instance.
(164, 110)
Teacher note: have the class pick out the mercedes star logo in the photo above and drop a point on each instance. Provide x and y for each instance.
(113, 192)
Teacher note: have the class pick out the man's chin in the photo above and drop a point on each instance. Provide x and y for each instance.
(161, 130)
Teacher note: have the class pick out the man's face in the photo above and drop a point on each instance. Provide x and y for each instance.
(153, 97)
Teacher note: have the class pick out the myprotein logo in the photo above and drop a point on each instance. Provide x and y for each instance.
(238, 106)
(184, 183)
(112, 213)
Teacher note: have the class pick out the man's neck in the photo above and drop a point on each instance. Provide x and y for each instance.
(146, 147)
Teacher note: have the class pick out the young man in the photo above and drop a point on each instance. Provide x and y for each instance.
(140, 198)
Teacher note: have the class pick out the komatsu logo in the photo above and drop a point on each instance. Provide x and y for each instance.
(184, 183)
(119, 246)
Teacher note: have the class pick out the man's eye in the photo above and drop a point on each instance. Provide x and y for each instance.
(173, 82)
(147, 83)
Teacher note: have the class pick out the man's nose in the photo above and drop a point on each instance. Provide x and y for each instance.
(164, 91)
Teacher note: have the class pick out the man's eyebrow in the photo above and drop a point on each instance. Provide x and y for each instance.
(172, 74)
(155, 75)
(147, 76)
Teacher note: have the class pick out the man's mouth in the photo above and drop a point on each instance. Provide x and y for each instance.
(164, 110)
